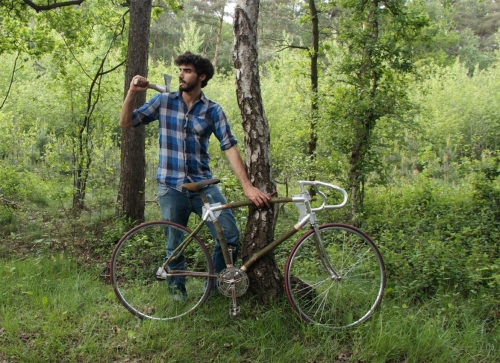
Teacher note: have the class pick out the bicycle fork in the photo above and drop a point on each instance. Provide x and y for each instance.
(320, 248)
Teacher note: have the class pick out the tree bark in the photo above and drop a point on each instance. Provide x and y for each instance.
(218, 41)
(313, 53)
(313, 123)
(266, 279)
(131, 198)
(363, 130)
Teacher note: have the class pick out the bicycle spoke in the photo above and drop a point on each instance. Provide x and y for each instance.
(136, 260)
(335, 301)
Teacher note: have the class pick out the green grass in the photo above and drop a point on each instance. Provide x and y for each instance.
(54, 310)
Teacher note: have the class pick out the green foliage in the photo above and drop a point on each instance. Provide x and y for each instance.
(367, 81)
(460, 112)
(191, 39)
(438, 239)
(18, 184)
(17, 33)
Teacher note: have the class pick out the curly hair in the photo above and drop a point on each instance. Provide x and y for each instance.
(201, 65)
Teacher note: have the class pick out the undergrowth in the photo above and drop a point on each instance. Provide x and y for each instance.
(56, 310)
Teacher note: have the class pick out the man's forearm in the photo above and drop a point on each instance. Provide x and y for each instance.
(137, 84)
(259, 198)
(127, 110)
(236, 162)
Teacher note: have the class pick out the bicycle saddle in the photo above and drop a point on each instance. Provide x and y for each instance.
(194, 187)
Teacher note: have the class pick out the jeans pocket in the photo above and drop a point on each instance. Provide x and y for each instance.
(163, 190)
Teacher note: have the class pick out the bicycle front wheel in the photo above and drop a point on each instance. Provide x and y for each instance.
(133, 269)
(345, 286)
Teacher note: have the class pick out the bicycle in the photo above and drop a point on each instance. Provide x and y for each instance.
(334, 275)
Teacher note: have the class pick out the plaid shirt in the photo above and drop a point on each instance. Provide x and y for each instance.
(184, 136)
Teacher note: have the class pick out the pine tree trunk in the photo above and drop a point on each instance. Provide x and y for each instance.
(266, 279)
(219, 36)
(133, 162)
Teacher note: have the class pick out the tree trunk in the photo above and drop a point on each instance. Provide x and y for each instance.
(219, 36)
(313, 54)
(131, 198)
(363, 133)
(313, 122)
(267, 281)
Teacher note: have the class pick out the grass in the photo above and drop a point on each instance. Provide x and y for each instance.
(56, 308)
(53, 309)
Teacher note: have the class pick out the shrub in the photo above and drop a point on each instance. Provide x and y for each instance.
(437, 238)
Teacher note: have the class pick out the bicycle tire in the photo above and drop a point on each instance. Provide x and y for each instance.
(334, 303)
(135, 260)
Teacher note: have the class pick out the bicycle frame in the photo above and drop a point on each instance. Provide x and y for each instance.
(334, 275)
(301, 201)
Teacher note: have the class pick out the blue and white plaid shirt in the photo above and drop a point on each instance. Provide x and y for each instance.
(184, 136)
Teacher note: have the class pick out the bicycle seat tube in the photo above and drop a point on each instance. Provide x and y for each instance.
(209, 215)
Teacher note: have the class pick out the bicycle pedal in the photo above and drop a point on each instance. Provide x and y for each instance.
(234, 311)
(161, 274)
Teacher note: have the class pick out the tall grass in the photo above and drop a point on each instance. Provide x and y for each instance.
(55, 310)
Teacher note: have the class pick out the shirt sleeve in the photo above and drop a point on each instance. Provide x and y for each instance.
(148, 112)
(223, 129)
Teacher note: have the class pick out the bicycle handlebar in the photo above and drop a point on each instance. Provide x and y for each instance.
(324, 205)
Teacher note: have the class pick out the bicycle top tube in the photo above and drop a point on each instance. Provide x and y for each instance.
(302, 201)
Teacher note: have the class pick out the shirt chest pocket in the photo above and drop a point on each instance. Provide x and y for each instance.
(201, 126)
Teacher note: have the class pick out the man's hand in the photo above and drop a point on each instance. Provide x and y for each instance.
(259, 198)
(138, 84)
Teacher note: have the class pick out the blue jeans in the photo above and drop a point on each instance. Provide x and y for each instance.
(176, 206)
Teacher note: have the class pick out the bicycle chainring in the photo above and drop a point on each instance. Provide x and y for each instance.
(230, 279)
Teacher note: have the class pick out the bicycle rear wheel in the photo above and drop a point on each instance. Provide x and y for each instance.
(320, 297)
(135, 261)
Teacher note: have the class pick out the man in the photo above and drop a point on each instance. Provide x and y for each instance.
(187, 119)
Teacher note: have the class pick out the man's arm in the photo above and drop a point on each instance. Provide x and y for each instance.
(259, 198)
(129, 101)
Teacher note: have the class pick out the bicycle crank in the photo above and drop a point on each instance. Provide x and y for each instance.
(232, 282)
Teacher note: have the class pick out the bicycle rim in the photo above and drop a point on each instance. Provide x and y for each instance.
(335, 302)
(134, 263)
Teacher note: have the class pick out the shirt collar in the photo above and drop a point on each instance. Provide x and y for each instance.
(203, 98)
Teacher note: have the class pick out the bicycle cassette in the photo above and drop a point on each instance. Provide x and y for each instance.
(232, 279)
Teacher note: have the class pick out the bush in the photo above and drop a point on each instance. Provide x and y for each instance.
(22, 185)
(435, 238)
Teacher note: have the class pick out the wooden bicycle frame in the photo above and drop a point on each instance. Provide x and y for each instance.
(302, 201)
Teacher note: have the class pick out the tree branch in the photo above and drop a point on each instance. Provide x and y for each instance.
(54, 5)
(14, 69)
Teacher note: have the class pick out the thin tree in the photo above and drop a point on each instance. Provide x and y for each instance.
(375, 52)
(265, 276)
(313, 54)
(133, 160)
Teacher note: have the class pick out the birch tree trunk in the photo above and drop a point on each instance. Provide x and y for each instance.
(266, 279)
(131, 198)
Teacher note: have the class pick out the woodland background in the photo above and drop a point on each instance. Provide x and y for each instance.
(430, 175)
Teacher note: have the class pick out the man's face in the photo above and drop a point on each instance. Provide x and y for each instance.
(188, 79)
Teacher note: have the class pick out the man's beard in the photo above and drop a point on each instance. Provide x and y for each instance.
(188, 87)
